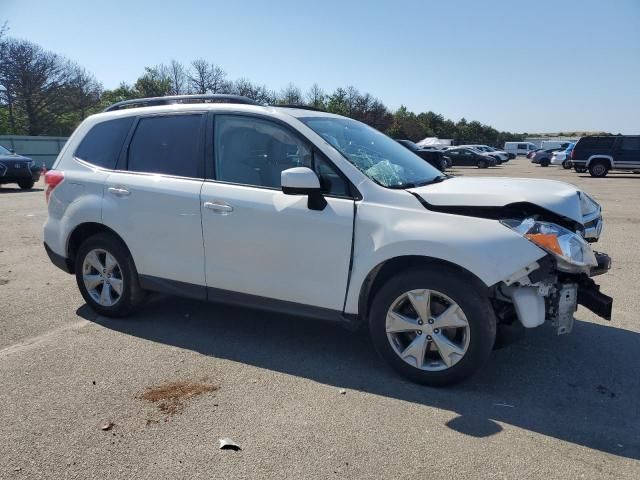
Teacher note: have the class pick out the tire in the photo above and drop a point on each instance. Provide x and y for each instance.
(446, 285)
(598, 169)
(580, 169)
(443, 165)
(566, 164)
(544, 162)
(131, 294)
(26, 184)
(482, 164)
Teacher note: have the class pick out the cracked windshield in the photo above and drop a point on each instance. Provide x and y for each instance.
(376, 155)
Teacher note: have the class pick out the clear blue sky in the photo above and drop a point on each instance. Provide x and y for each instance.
(540, 66)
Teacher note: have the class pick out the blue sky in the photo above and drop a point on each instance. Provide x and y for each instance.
(539, 66)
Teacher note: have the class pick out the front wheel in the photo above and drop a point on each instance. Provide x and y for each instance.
(482, 164)
(431, 327)
(107, 277)
(566, 164)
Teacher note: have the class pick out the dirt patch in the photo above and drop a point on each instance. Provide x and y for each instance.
(171, 397)
(3, 281)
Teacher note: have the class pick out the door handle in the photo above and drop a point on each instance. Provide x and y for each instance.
(219, 207)
(119, 191)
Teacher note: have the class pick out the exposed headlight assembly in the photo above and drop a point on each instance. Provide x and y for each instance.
(572, 252)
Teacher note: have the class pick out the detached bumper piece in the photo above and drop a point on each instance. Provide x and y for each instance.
(590, 296)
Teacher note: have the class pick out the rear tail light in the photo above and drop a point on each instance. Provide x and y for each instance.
(571, 155)
(52, 179)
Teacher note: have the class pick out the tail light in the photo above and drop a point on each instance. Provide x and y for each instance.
(52, 179)
(572, 152)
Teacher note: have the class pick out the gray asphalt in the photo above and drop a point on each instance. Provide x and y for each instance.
(545, 407)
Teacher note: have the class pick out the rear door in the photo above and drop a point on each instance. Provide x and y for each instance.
(153, 199)
(628, 153)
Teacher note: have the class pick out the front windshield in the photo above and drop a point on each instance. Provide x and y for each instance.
(379, 157)
(4, 151)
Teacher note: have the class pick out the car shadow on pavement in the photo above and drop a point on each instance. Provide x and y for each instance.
(582, 388)
(5, 189)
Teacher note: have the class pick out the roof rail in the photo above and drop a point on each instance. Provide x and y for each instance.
(170, 100)
(299, 106)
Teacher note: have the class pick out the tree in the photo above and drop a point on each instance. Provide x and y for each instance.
(337, 102)
(155, 82)
(316, 97)
(290, 95)
(34, 86)
(178, 77)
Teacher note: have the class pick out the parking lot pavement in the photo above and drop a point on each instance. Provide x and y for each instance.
(305, 399)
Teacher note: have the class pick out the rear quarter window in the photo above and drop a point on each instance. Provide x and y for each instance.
(101, 146)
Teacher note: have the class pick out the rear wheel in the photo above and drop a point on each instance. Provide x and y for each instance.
(598, 169)
(107, 277)
(566, 164)
(482, 164)
(431, 327)
(544, 162)
(26, 184)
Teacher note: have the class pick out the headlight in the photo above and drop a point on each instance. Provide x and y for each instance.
(573, 253)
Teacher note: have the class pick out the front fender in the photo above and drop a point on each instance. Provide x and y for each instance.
(484, 247)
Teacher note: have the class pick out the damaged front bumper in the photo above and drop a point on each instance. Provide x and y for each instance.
(546, 294)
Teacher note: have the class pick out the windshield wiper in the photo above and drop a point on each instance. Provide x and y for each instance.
(438, 179)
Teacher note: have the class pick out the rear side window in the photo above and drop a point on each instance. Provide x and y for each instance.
(596, 142)
(101, 146)
(630, 143)
(169, 145)
(522, 146)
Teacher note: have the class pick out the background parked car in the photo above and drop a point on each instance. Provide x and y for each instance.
(494, 152)
(433, 156)
(519, 148)
(600, 154)
(563, 157)
(461, 156)
(18, 169)
(543, 157)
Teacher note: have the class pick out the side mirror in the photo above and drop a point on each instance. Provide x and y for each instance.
(303, 181)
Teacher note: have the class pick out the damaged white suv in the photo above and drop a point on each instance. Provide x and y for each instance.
(316, 215)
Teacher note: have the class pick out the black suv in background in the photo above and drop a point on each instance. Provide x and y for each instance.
(18, 169)
(600, 154)
(433, 157)
(467, 156)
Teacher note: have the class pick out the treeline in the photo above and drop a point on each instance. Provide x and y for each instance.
(42, 93)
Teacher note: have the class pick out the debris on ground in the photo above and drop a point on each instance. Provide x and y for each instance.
(343, 391)
(3, 281)
(228, 444)
(171, 396)
(106, 426)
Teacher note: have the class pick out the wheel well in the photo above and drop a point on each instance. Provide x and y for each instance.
(387, 269)
(80, 234)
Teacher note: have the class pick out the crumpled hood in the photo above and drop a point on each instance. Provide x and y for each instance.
(558, 197)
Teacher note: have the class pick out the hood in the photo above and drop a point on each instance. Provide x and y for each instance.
(13, 157)
(558, 197)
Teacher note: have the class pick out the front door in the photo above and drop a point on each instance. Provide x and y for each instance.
(261, 242)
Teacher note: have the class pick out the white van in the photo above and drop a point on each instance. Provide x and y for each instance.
(549, 144)
(519, 148)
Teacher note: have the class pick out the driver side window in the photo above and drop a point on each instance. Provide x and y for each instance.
(251, 151)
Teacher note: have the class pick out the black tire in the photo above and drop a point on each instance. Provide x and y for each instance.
(598, 169)
(443, 165)
(580, 169)
(545, 162)
(26, 184)
(482, 164)
(455, 285)
(566, 164)
(132, 294)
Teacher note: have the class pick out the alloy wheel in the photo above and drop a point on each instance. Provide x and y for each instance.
(102, 277)
(427, 330)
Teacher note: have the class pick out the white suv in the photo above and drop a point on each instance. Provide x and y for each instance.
(316, 215)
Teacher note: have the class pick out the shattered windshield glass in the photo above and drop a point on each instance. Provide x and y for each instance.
(379, 157)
